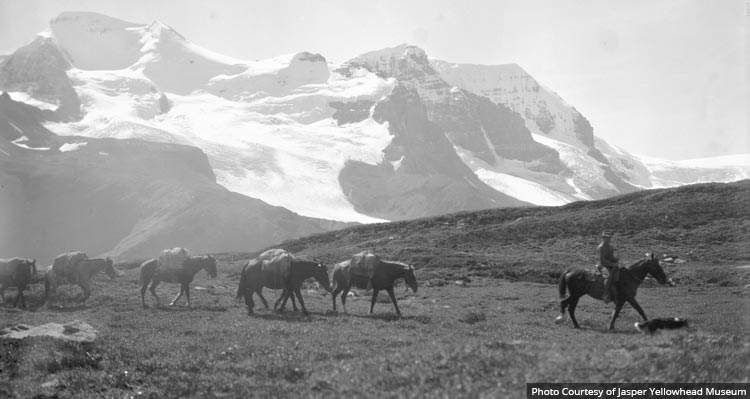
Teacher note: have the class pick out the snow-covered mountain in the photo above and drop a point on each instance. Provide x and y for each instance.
(125, 198)
(387, 135)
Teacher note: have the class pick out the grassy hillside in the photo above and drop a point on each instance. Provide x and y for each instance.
(472, 329)
(706, 223)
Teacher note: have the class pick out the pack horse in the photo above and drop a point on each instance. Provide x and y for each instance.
(366, 270)
(75, 268)
(173, 265)
(279, 269)
(18, 273)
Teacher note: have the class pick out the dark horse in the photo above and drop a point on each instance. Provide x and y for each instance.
(384, 275)
(254, 277)
(16, 272)
(581, 282)
(152, 272)
(75, 268)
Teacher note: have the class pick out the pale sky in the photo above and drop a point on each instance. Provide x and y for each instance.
(664, 78)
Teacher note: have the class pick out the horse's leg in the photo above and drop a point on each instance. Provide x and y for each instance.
(86, 287)
(154, 283)
(280, 303)
(618, 307)
(286, 294)
(344, 295)
(564, 303)
(187, 295)
(294, 304)
(144, 287)
(393, 299)
(262, 298)
(374, 297)
(249, 302)
(19, 296)
(50, 288)
(572, 304)
(637, 308)
(182, 291)
(301, 301)
(334, 294)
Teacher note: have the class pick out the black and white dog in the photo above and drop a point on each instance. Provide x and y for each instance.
(650, 326)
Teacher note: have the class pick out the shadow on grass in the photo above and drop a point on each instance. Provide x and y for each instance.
(290, 316)
(30, 307)
(392, 317)
(163, 308)
(617, 331)
(606, 330)
(293, 317)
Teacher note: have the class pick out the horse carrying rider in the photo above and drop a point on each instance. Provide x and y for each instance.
(608, 260)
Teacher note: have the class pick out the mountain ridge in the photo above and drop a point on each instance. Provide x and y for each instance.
(298, 132)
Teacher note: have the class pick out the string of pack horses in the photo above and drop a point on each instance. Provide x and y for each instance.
(279, 269)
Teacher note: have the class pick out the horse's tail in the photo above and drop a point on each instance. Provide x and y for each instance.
(243, 284)
(563, 285)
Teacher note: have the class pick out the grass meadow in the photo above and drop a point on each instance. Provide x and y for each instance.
(480, 326)
(462, 335)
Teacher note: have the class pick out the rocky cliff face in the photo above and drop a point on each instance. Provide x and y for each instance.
(421, 174)
(39, 70)
(490, 131)
(544, 114)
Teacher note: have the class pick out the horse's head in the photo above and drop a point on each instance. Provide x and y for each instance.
(321, 275)
(210, 266)
(411, 278)
(654, 268)
(109, 267)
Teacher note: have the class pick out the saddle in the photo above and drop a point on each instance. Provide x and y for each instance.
(277, 261)
(615, 272)
(173, 259)
(66, 265)
(363, 265)
(595, 277)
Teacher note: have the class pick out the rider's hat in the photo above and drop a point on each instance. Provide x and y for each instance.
(606, 233)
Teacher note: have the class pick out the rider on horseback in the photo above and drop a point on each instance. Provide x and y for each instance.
(608, 260)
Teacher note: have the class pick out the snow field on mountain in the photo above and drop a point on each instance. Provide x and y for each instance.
(291, 165)
(726, 168)
(26, 98)
(257, 148)
(522, 188)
